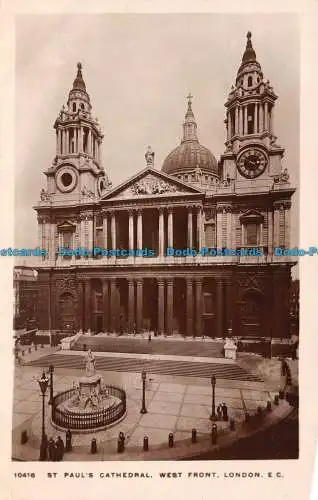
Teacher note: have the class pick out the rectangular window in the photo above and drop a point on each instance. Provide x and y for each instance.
(67, 239)
(251, 234)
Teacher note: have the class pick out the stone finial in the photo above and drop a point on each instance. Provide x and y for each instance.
(150, 157)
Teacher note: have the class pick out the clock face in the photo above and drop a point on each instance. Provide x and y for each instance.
(66, 179)
(252, 163)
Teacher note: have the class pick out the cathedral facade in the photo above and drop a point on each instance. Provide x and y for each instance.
(108, 266)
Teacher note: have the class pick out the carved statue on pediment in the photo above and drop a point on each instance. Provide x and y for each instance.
(44, 195)
(87, 192)
(150, 156)
(152, 186)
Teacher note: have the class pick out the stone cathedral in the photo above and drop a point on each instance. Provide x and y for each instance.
(240, 202)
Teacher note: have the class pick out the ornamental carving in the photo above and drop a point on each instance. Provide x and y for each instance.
(86, 216)
(223, 208)
(87, 192)
(209, 214)
(44, 195)
(282, 178)
(65, 284)
(151, 185)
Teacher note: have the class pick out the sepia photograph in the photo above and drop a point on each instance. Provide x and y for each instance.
(156, 283)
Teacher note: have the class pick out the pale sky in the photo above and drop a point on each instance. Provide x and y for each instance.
(138, 69)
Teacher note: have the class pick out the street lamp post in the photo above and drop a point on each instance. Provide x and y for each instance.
(43, 383)
(51, 371)
(143, 377)
(213, 382)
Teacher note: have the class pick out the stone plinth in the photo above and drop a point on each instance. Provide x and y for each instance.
(230, 349)
(88, 385)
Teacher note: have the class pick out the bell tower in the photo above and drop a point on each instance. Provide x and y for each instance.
(251, 149)
(76, 173)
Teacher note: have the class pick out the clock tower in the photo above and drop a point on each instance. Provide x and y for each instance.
(251, 150)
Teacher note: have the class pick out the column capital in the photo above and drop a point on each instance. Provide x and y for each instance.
(131, 281)
(139, 281)
(161, 210)
(170, 281)
(130, 211)
(160, 281)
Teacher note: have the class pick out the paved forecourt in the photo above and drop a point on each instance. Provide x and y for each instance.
(178, 399)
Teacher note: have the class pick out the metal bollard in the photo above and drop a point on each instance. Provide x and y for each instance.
(170, 440)
(121, 443)
(68, 441)
(214, 433)
(146, 443)
(93, 446)
(194, 436)
(269, 406)
(247, 417)
(276, 400)
(259, 411)
(35, 347)
(232, 424)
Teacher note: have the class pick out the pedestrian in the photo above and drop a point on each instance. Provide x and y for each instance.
(59, 444)
(224, 411)
(149, 337)
(219, 411)
(51, 450)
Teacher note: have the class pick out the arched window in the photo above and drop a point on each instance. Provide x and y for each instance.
(249, 81)
(74, 107)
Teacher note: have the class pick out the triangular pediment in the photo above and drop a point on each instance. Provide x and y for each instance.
(66, 225)
(150, 183)
(252, 215)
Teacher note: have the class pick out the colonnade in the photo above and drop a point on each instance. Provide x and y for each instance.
(263, 119)
(163, 294)
(166, 227)
(70, 140)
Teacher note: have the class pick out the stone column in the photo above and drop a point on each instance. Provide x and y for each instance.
(219, 230)
(131, 304)
(270, 231)
(189, 283)
(261, 118)
(236, 120)
(139, 229)
(229, 304)
(266, 117)
(219, 308)
(255, 118)
(80, 145)
(139, 301)
(170, 306)
(161, 232)
(89, 141)
(113, 305)
(245, 119)
(276, 224)
(287, 206)
(170, 228)
(88, 304)
(229, 226)
(90, 231)
(161, 305)
(113, 229)
(198, 306)
(199, 227)
(271, 128)
(241, 120)
(190, 228)
(105, 229)
(105, 304)
(131, 229)
(226, 121)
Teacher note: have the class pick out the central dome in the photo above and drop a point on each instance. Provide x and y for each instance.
(190, 154)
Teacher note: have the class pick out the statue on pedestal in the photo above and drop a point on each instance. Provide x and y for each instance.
(90, 364)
